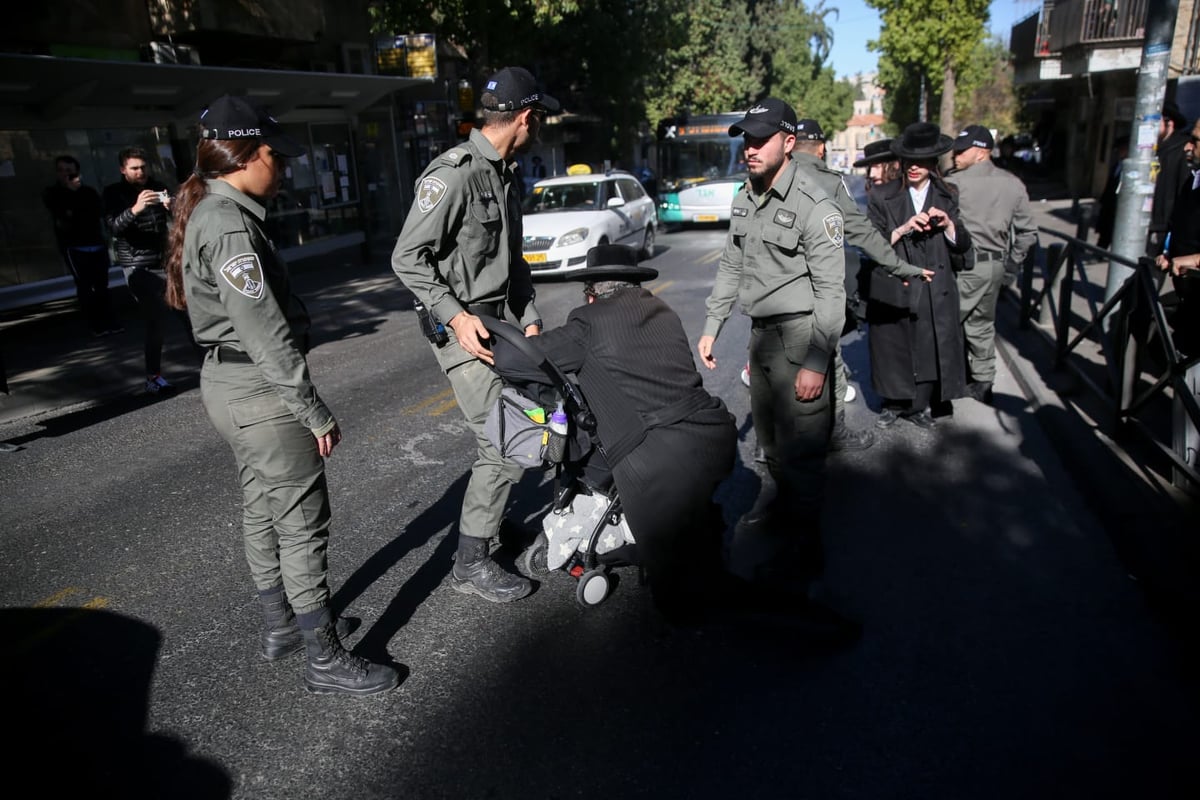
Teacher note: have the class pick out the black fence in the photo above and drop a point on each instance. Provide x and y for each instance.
(1136, 369)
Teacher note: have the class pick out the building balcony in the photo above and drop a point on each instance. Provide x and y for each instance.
(1094, 23)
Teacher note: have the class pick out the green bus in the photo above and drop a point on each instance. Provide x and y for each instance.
(700, 168)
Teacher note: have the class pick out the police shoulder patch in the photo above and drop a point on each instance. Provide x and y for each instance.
(430, 193)
(833, 229)
(244, 273)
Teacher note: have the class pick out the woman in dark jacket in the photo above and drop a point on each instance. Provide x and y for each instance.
(916, 345)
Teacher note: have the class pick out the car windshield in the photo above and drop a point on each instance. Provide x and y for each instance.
(582, 196)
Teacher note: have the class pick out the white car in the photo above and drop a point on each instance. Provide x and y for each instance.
(566, 216)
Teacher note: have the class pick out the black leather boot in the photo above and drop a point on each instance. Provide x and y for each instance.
(281, 633)
(475, 572)
(331, 669)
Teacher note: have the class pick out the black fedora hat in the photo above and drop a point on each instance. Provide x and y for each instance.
(607, 262)
(922, 140)
(876, 153)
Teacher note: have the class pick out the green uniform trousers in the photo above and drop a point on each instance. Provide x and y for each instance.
(978, 292)
(285, 500)
(794, 435)
(476, 389)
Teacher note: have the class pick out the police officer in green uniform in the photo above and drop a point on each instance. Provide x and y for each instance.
(809, 155)
(995, 208)
(460, 253)
(256, 388)
(783, 264)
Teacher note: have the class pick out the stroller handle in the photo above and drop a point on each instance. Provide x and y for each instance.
(502, 329)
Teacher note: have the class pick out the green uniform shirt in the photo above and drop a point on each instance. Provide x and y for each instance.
(784, 255)
(994, 206)
(462, 240)
(859, 230)
(239, 294)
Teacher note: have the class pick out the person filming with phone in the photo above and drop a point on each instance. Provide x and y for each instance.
(917, 361)
(137, 210)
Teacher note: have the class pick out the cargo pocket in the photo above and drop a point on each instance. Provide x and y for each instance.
(485, 233)
(795, 336)
(257, 408)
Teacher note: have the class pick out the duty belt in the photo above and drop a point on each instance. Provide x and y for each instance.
(775, 319)
(988, 255)
(495, 309)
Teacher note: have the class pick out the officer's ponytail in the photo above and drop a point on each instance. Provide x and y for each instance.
(214, 158)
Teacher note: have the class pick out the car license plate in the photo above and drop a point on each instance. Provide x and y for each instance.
(535, 258)
(705, 218)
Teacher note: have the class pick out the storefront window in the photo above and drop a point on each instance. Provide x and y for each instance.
(319, 195)
(28, 251)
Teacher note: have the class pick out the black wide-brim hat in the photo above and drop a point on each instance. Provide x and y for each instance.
(607, 262)
(922, 140)
(876, 153)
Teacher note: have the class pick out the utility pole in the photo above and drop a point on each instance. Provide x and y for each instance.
(1137, 178)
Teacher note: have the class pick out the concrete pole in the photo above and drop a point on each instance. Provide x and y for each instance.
(1137, 178)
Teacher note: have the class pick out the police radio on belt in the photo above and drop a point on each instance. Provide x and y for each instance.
(431, 329)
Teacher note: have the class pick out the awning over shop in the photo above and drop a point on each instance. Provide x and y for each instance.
(40, 91)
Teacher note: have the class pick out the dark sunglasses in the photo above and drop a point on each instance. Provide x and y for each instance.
(72, 175)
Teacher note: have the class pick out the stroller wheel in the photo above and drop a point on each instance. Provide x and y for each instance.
(592, 589)
(532, 561)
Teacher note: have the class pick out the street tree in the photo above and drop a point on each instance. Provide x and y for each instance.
(929, 38)
(796, 43)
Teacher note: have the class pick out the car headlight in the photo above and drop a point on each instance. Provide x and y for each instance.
(577, 236)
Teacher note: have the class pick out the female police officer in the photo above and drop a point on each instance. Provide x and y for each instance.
(256, 387)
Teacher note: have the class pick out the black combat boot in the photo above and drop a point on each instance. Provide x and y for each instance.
(843, 438)
(476, 573)
(331, 669)
(281, 634)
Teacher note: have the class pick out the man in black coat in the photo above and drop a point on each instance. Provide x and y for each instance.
(78, 229)
(1173, 174)
(668, 442)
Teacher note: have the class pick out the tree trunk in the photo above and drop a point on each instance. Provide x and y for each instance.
(946, 115)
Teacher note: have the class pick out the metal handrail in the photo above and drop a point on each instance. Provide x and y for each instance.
(1136, 313)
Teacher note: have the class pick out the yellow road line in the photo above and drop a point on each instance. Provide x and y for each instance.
(437, 398)
(97, 602)
(56, 598)
(661, 286)
(443, 408)
(715, 255)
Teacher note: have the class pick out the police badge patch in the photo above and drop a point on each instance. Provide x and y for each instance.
(833, 228)
(245, 274)
(430, 194)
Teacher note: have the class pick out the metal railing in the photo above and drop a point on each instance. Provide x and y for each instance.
(1140, 360)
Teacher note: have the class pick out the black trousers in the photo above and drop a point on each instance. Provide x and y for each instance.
(89, 268)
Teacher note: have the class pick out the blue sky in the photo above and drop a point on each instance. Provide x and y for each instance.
(859, 22)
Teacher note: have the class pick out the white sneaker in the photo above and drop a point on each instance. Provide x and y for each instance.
(850, 393)
(746, 374)
(156, 384)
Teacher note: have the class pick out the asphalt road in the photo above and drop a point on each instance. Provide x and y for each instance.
(1006, 653)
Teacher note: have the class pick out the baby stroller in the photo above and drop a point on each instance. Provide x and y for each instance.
(585, 533)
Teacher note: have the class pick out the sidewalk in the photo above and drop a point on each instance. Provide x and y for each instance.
(56, 368)
(1152, 524)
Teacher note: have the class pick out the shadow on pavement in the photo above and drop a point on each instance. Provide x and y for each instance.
(78, 683)
(998, 632)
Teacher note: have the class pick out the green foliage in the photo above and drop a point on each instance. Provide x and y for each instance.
(631, 63)
(985, 91)
(934, 38)
(797, 42)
